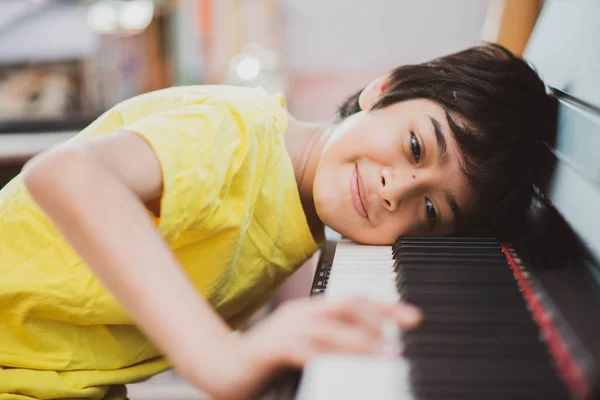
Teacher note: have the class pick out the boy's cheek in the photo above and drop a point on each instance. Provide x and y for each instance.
(332, 214)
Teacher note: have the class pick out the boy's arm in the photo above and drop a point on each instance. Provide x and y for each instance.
(95, 192)
(91, 190)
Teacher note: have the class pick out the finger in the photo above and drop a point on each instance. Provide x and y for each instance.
(406, 315)
(299, 355)
(357, 311)
(374, 313)
(336, 337)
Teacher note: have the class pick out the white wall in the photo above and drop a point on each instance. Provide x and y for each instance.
(333, 47)
(43, 32)
(360, 33)
(565, 47)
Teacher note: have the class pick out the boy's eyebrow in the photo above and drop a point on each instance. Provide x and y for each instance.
(443, 157)
(453, 206)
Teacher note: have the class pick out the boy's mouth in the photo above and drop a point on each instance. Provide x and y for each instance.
(358, 196)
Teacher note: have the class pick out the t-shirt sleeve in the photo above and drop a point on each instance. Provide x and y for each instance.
(199, 148)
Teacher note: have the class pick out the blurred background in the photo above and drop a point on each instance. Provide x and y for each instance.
(74, 59)
(64, 62)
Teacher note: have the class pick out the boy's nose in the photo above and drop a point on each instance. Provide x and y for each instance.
(395, 189)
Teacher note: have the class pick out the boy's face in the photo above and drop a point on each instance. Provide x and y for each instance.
(382, 174)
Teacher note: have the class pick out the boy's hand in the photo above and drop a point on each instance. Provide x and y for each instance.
(300, 330)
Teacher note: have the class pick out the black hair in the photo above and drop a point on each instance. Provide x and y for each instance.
(497, 109)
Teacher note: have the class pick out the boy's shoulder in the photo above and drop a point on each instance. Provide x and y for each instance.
(246, 100)
(187, 95)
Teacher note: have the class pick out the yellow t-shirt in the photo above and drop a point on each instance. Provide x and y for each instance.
(230, 212)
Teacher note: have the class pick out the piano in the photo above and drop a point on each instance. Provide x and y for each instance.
(502, 320)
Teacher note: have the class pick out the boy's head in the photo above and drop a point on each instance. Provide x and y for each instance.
(434, 149)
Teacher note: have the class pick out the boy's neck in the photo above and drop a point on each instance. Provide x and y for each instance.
(304, 143)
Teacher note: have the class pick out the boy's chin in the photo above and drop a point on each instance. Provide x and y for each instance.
(347, 233)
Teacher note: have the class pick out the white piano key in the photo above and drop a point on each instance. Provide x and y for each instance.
(359, 270)
(362, 257)
(354, 377)
(390, 333)
(358, 278)
(364, 291)
(366, 267)
(368, 271)
(353, 270)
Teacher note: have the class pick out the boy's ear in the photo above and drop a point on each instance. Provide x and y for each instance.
(372, 92)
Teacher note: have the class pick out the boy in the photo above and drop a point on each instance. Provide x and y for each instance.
(182, 209)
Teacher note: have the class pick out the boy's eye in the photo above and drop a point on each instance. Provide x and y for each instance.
(414, 145)
(430, 212)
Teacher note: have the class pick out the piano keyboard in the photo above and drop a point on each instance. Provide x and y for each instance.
(477, 339)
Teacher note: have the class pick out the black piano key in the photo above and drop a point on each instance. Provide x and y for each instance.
(488, 392)
(459, 267)
(491, 307)
(479, 261)
(498, 345)
(448, 239)
(448, 251)
(504, 352)
(473, 310)
(500, 320)
(427, 339)
(443, 239)
(415, 269)
(433, 241)
(431, 325)
(447, 248)
(485, 311)
(484, 256)
(467, 370)
(476, 295)
(458, 275)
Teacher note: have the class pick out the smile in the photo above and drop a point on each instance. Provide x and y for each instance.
(357, 197)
